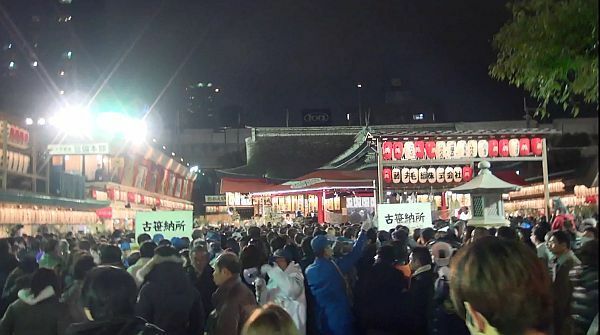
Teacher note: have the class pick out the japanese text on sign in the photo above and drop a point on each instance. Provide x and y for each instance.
(415, 215)
(167, 223)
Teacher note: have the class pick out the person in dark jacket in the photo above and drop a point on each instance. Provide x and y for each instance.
(201, 275)
(8, 261)
(108, 297)
(585, 288)
(72, 294)
(421, 289)
(167, 298)
(563, 262)
(19, 278)
(38, 310)
(381, 298)
(233, 300)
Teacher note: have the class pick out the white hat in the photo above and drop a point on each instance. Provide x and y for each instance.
(436, 249)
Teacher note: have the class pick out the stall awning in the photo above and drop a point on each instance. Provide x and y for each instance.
(317, 180)
(46, 200)
(249, 185)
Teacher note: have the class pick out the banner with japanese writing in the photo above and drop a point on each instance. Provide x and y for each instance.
(415, 215)
(167, 223)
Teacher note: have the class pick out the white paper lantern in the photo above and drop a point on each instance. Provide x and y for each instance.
(409, 150)
(396, 178)
(450, 150)
(422, 175)
(471, 148)
(414, 175)
(431, 175)
(461, 149)
(458, 174)
(440, 149)
(482, 148)
(405, 175)
(513, 147)
(440, 175)
(449, 174)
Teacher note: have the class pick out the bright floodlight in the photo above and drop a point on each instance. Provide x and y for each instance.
(194, 169)
(29, 121)
(73, 120)
(137, 131)
(41, 121)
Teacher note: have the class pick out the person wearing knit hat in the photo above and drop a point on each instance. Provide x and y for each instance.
(325, 277)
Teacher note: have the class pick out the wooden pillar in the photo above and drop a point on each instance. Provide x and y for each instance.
(545, 176)
(379, 173)
(321, 207)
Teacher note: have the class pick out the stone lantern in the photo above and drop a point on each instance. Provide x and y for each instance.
(487, 207)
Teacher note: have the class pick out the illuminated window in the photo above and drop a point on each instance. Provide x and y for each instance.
(418, 116)
(61, 73)
(34, 63)
(12, 65)
(69, 54)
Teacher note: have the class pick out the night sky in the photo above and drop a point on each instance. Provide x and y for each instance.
(267, 56)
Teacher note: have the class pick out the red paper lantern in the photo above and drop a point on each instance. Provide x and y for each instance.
(493, 149)
(387, 175)
(26, 138)
(386, 149)
(467, 173)
(131, 197)
(430, 149)
(536, 146)
(111, 193)
(398, 150)
(503, 144)
(420, 149)
(157, 202)
(524, 147)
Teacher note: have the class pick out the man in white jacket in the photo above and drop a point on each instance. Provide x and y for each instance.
(285, 287)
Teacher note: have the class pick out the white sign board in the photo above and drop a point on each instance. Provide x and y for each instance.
(167, 223)
(295, 184)
(215, 198)
(79, 149)
(416, 215)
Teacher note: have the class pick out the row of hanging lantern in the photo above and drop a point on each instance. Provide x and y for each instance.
(431, 175)
(12, 215)
(411, 150)
(15, 161)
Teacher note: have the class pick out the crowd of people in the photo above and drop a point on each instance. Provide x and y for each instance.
(305, 279)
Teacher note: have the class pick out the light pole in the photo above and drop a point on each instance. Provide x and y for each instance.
(358, 88)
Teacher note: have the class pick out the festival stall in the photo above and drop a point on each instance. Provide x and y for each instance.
(331, 196)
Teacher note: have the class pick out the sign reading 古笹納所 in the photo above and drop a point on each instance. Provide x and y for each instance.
(167, 223)
(415, 215)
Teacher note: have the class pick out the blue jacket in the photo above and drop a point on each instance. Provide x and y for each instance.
(333, 312)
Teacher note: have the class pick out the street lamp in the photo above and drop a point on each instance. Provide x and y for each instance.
(358, 88)
(29, 121)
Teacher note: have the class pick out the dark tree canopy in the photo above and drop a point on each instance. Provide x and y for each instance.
(550, 49)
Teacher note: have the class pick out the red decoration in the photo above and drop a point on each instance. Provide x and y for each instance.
(467, 173)
(387, 175)
(157, 202)
(430, 149)
(503, 144)
(398, 147)
(104, 213)
(420, 149)
(536, 146)
(131, 197)
(386, 149)
(493, 149)
(142, 199)
(111, 193)
(524, 147)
